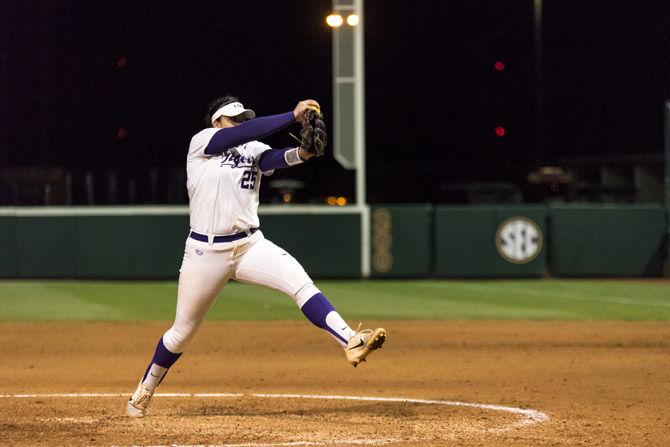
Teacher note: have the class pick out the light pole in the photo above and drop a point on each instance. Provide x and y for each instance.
(347, 23)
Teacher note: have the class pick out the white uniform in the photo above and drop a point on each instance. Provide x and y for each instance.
(225, 243)
(223, 192)
(223, 189)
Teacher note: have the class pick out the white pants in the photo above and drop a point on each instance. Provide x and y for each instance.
(206, 269)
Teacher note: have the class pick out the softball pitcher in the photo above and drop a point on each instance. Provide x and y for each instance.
(225, 164)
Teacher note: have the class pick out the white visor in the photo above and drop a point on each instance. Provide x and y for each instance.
(233, 109)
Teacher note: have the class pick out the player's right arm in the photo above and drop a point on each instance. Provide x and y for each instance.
(256, 128)
(251, 130)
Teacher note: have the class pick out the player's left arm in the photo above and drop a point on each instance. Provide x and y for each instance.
(282, 158)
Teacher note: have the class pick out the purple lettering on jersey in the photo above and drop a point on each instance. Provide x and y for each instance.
(236, 160)
(248, 179)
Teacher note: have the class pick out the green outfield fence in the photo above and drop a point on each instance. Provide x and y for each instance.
(384, 241)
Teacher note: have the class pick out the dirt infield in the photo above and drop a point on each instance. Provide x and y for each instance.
(604, 384)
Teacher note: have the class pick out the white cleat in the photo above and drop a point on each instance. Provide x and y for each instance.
(363, 343)
(136, 407)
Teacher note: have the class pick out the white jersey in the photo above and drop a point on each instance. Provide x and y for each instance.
(223, 189)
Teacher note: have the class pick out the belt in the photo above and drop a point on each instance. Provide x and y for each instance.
(229, 238)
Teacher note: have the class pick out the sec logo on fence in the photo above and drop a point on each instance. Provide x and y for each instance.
(519, 240)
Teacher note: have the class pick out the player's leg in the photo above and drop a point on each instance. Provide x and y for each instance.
(202, 276)
(266, 264)
(196, 293)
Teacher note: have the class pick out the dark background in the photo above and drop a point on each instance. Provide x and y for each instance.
(117, 89)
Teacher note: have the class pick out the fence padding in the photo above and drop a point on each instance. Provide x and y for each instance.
(607, 240)
(490, 241)
(401, 241)
(152, 246)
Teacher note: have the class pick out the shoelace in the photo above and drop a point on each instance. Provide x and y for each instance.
(142, 398)
(363, 332)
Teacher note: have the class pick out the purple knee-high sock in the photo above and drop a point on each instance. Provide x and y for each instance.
(322, 314)
(162, 361)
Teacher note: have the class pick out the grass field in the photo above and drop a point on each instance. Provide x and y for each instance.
(75, 349)
(357, 300)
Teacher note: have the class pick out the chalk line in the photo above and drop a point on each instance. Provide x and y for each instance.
(528, 416)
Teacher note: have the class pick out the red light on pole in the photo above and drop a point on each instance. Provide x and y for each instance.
(121, 133)
(499, 66)
(122, 62)
(500, 131)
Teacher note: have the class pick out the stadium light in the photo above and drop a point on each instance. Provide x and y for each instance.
(334, 20)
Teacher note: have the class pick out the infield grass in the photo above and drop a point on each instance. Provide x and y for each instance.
(357, 300)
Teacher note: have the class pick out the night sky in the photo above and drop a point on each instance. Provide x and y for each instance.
(123, 85)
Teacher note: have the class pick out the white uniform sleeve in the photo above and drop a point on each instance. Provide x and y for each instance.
(255, 149)
(200, 141)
